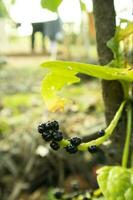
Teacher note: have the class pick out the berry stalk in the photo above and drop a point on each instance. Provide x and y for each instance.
(50, 133)
(108, 132)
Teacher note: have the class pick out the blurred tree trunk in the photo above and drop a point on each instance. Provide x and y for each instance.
(105, 24)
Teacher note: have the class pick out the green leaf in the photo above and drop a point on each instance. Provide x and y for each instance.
(82, 6)
(116, 183)
(121, 33)
(64, 73)
(51, 4)
(114, 43)
(3, 10)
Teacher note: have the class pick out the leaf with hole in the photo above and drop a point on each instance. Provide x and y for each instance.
(64, 73)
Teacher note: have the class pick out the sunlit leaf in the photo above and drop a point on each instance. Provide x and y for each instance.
(64, 73)
(51, 4)
(116, 183)
(3, 10)
(121, 34)
(114, 43)
(83, 6)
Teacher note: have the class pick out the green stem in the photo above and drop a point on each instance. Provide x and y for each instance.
(126, 88)
(128, 136)
(108, 131)
(132, 159)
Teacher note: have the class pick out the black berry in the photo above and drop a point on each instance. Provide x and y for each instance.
(92, 149)
(101, 133)
(58, 194)
(54, 145)
(41, 128)
(71, 148)
(54, 125)
(57, 136)
(48, 126)
(75, 141)
(47, 136)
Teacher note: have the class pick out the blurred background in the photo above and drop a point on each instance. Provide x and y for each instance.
(29, 35)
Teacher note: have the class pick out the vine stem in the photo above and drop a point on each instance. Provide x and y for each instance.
(108, 132)
(128, 136)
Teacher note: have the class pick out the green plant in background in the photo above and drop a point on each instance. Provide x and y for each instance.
(51, 5)
(115, 182)
(3, 10)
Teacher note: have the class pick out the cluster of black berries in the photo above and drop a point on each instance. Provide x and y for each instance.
(73, 146)
(50, 133)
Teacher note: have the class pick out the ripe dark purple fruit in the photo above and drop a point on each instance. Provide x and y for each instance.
(47, 136)
(101, 133)
(57, 136)
(44, 127)
(54, 145)
(71, 148)
(92, 149)
(41, 128)
(54, 125)
(48, 126)
(75, 141)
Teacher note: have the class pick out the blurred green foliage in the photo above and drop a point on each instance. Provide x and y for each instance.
(3, 10)
(50, 4)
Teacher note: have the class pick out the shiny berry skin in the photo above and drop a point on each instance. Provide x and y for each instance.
(47, 136)
(57, 136)
(75, 141)
(71, 148)
(92, 149)
(54, 125)
(54, 145)
(48, 126)
(101, 133)
(41, 128)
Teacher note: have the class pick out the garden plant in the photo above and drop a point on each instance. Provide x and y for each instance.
(116, 179)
